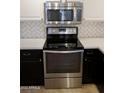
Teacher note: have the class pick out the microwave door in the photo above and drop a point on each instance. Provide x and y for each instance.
(60, 15)
(53, 15)
(67, 15)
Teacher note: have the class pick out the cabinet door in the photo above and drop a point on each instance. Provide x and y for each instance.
(93, 66)
(94, 9)
(31, 73)
(89, 70)
(100, 69)
(31, 9)
(31, 67)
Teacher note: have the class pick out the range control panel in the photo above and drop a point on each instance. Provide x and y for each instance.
(62, 30)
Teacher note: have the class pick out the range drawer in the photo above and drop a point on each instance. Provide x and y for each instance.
(26, 54)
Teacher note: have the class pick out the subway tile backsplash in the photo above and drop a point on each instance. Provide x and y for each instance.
(34, 29)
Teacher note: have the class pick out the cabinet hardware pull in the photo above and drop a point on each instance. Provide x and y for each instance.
(40, 60)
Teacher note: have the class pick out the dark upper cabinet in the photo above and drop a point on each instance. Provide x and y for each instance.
(93, 66)
(31, 68)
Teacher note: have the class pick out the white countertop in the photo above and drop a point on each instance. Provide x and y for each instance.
(86, 42)
(32, 43)
(93, 43)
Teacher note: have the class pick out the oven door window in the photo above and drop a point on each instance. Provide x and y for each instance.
(60, 15)
(63, 62)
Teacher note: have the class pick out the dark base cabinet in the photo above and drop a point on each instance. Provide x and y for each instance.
(93, 66)
(31, 68)
(89, 72)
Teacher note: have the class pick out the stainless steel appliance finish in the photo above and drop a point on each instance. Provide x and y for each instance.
(60, 75)
(62, 30)
(66, 79)
(63, 82)
(63, 12)
(62, 65)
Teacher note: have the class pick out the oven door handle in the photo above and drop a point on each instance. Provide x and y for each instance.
(75, 51)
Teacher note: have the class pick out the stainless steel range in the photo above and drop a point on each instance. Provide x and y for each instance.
(62, 51)
(63, 58)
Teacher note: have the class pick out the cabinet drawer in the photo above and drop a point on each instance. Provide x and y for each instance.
(30, 54)
(90, 52)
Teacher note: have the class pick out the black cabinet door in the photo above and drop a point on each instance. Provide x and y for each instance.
(31, 68)
(89, 70)
(100, 71)
(31, 73)
(93, 66)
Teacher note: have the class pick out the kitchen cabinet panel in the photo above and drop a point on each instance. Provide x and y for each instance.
(93, 66)
(31, 74)
(30, 54)
(31, 67)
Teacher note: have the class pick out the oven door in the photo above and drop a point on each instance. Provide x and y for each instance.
(63, 63)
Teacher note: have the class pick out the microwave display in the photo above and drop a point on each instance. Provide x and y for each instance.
(60, 15)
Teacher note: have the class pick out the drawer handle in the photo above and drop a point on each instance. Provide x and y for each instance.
(27, 54)
(85, 59)
(89, 53)
(88, 60)
(40, 60)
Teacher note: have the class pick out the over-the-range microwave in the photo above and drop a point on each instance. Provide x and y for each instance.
(63, 12)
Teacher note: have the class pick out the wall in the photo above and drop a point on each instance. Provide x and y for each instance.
(32, 9)
(94, 9)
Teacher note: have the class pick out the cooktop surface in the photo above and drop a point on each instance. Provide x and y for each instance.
(63, 45)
